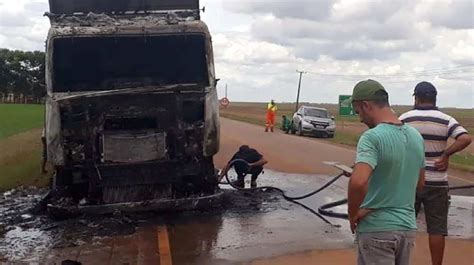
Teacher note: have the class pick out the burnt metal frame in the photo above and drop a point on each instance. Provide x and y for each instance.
(111, 6)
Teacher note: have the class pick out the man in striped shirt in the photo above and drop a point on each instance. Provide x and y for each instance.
(435, 127)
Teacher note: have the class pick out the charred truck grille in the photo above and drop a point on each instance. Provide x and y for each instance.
(126, 148)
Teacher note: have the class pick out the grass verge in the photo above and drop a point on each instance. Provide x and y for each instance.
(346, 138)
(24, 172)
(463, 161)
(17, 118)
(20, 164)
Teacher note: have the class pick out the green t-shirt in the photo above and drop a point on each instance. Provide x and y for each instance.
(396, 155)
(286, 123)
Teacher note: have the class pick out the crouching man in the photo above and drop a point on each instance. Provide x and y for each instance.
(254, 166)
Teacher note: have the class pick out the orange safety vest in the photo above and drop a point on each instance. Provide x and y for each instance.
(271, 110)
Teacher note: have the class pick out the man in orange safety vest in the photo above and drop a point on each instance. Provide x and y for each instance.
(271, 113)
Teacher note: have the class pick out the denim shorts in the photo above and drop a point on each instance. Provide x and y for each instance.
(387, 248)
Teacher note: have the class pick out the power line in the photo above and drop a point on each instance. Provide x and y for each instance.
(432, 72)
(463, 72)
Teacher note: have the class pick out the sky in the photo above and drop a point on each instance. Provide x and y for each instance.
(260, 44)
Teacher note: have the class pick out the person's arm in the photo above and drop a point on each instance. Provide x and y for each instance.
(226, 168)
(254, 155)
(223, 172)
(421, 181)
(461, 142)
(259, 163)
(358, 186)
(366, 161)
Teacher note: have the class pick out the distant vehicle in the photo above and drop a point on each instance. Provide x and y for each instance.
(314, 121)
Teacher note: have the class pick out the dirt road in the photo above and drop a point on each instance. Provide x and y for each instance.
(285, 153)
(295, 154)
(289, 153)
(251, 227)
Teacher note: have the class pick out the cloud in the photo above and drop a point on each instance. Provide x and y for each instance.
(308, 9)
(22, 25)
(354, 39)
(351, 30)
(463, 52)
(259, 45)
(243, 50)
(453, 14)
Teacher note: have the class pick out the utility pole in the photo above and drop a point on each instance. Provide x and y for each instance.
(226, 90)
(299, 87)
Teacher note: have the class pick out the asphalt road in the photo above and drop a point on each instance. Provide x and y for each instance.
(296, 154)
(252, 228)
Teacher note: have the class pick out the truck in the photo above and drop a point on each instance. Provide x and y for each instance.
(132, 116)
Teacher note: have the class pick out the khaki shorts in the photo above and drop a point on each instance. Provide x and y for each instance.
(435, 201)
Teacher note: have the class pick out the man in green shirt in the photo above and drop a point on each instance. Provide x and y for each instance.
(285, 124)
(389, 167)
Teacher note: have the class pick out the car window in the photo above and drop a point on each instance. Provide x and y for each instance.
(316, 113)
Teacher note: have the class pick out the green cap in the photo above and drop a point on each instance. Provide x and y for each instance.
(369, 90)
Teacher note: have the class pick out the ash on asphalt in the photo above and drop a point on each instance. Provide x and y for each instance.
(25, 236)
(249, 225)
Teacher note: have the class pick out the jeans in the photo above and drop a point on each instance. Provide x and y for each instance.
(385, 248)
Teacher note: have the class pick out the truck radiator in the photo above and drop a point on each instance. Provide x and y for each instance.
(133, 147)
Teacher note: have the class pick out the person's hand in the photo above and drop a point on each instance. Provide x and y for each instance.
(354, 220)
(362, 213)
(442, 163)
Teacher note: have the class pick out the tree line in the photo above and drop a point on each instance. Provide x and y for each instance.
(22, 76)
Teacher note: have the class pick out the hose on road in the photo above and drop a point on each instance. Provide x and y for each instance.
(320, 212)
(323, 209)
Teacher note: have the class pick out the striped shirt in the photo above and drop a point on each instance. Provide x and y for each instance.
(435, 127)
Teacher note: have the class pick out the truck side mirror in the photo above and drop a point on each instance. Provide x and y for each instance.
(299, 114)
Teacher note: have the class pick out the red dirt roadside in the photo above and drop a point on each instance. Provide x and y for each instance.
(294, 154)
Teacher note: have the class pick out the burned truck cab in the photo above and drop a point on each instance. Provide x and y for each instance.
(132, 110)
